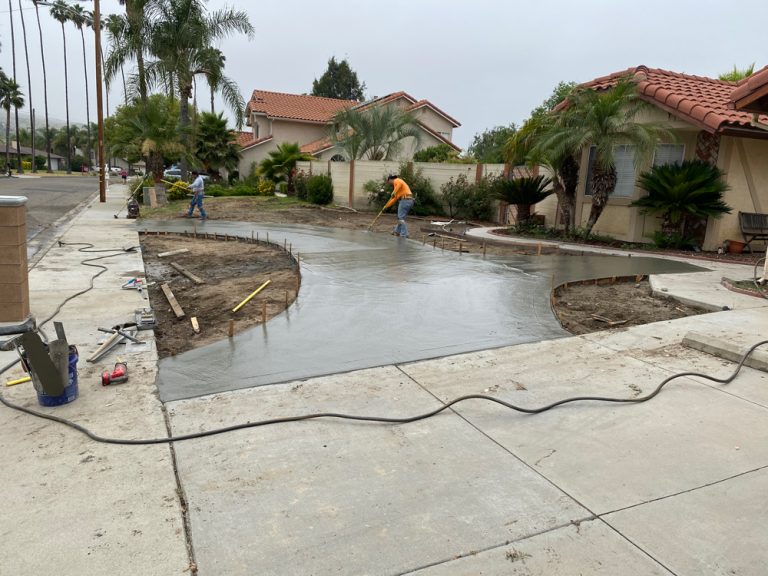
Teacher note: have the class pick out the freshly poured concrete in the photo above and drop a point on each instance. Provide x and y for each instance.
(369, 300)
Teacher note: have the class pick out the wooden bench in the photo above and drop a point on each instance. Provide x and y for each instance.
(753, 227)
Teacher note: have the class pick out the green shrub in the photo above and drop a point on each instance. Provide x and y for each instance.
(238, 189)
(300, 185)
(378, 192)
(177, 191)
(320, 189)
(427, 202)
(266, 188)
(470, 201)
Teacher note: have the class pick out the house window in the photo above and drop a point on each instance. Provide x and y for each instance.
(624, 160)
(668, 154)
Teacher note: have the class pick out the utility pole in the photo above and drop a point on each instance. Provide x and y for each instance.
(99, 111)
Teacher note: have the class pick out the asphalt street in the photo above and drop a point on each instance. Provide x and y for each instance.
(51, 201)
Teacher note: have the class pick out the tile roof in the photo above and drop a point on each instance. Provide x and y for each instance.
(256, 142)
(428, 104)
(752, 93)
(296, 106)
(317, 146)
(698, 100)
(244, 138)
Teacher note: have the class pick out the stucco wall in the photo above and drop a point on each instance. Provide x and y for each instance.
(301, 132)
(435, 122)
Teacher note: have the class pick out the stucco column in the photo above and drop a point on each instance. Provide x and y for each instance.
(14, 285)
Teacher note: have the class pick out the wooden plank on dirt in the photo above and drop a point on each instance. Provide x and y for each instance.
(608, 320)
(173, 252)
(195, 325)
(196, 279)
(172, 301)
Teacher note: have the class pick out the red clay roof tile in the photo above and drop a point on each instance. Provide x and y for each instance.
(296, 106)
(751, 93)
(706, 102)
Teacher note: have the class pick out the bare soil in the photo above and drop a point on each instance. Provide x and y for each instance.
(232, 270)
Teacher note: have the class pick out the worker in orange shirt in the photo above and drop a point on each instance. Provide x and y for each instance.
(404, 198)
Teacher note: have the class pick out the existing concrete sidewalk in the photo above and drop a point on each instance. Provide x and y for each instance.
(672, 486)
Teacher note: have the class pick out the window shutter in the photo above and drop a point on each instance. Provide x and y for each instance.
(668, 154)
(624, 159)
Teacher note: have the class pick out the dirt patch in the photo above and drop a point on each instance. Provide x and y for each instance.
(232, 270)
(591, 306)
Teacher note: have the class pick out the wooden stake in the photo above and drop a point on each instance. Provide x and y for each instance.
(538, 251)
(483, 247)
(263, 311)
(231, 331)
(286, 298)
(195, 325)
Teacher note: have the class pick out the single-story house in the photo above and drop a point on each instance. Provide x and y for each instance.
(57, 162)
(724, 123)
(276, 118)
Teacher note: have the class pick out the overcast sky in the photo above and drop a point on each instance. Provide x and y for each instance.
(486, 63)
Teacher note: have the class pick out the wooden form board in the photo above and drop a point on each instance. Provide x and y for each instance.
(173, 252)
(187, 273)
(172, 301)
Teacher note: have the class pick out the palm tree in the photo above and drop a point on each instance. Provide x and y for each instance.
(738, 74)
(211, 63)
(281, 164)
(45, 88)
(60, 13)
(604, 120)
(128, 35)
(681, 193)
(177, 39)
(114, 25)
(19, 168)
(373, 133)
(215, 146)
(10, 97)
(524, 193)
(29, 89)
(79, 17)
(524, 147)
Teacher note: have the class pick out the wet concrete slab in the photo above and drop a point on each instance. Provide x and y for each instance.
(370, 300)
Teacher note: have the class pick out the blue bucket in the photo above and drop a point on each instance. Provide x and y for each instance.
(70, 390)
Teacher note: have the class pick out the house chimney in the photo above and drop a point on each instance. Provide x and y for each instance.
(14, 285)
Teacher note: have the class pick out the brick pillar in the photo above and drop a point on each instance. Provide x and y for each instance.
(14, 286)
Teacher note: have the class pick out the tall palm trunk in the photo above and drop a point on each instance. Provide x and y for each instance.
(185, 93)
(87, 102)
(29, 89)
(603, 183)
(569, 177)
(66, 101)
(45, 92)
(19, 168)
(8, 140)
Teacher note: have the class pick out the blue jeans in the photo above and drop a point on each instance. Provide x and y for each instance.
(403, 207)
(197, 200)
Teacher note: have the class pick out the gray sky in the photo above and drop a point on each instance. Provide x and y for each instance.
(486, 63)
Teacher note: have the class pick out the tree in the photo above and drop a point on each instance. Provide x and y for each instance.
(211, 62)
(60, 13)
(146, 131)
(281, 164)
(440, 153)
(524, 147)
(738, 74)
(177, 40)
(45, 88)
(524, 193)
(488, 147)
(19, 168)
(215, 146)
(682, 192)
(80, 18)
(114, 25)
(10, 97)
(604, 120)
(29, 88)
(339, 81)
(374, 133)
(128, 37)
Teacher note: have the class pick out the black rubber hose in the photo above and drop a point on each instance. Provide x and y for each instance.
(384, 419)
